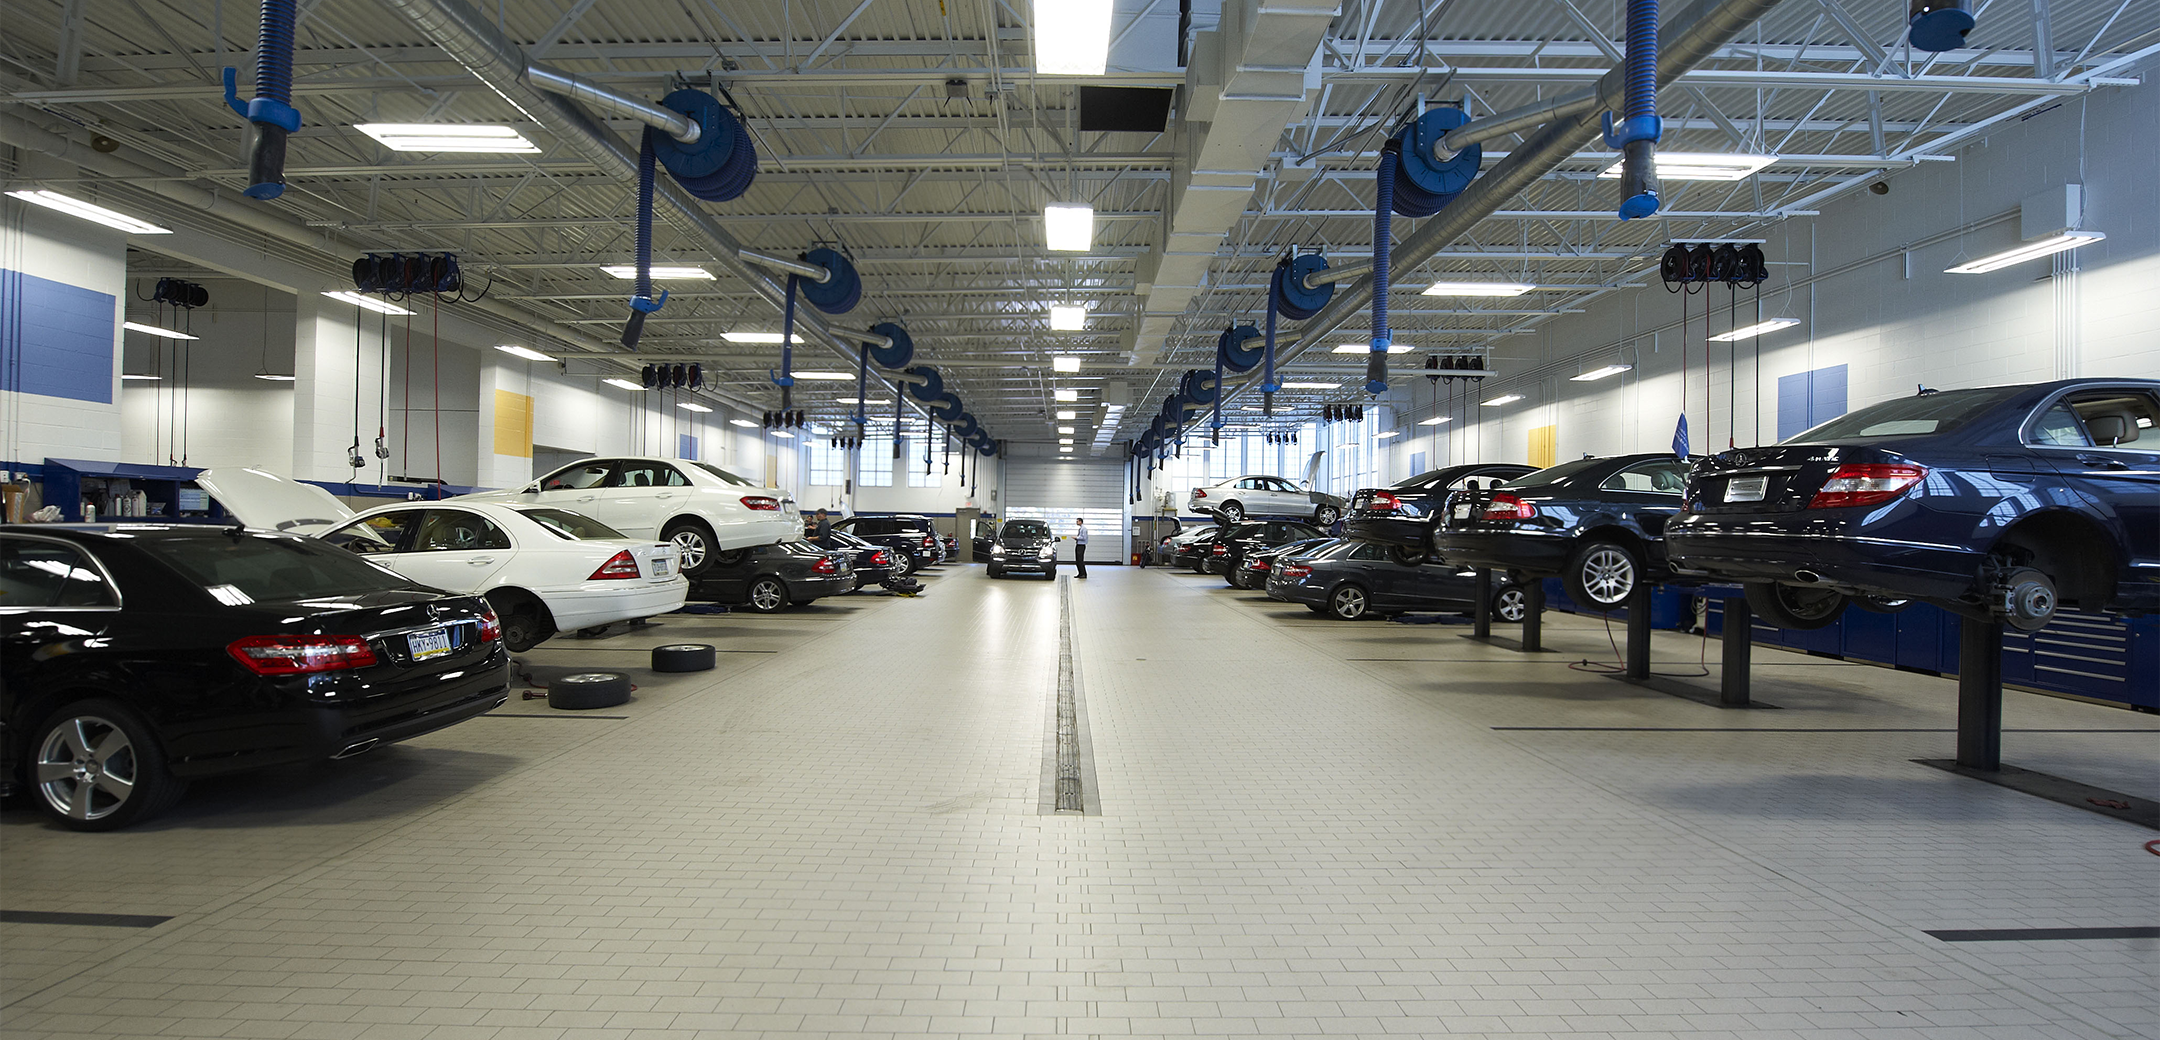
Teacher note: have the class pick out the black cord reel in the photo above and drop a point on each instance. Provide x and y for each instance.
(1737, 264)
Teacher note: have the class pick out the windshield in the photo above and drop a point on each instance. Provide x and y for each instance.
(570, 526)
(1553, 475)
(1418, 481)
(724, 474)
(1909, 416)
(255, 568)
(1026, 530)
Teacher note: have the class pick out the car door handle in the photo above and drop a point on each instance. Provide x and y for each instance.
(587, 498)
(2102, 461)
(480, 560)
(665, 494)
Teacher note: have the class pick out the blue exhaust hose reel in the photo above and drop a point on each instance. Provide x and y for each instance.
(1637, 135)
(1422, 183)
(930, 388)
(271, 110)
(1940, 25)
(1231, 351)
(1288, 297)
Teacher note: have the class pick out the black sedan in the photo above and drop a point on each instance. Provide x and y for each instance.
(1253, 569)
(1351, 580)
(1996, 502)
(912, 538)
(1191, 549)
(1404, 515)
(1024, 545)
(1230, 548)
(769, 578)
(138, 657)
(873, 563)
(1597, 523)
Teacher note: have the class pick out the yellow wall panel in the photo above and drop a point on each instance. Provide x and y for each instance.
(513, 424)
(1544, 446)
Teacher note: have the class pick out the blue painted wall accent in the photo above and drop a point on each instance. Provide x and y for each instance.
(1808, 399)
(56, 339)
(686, 446)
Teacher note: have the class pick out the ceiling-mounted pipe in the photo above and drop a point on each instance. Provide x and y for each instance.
(778, 263)
(1691, 38)
(666, 120)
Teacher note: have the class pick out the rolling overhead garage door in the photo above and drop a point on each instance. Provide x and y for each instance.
(1062, 492)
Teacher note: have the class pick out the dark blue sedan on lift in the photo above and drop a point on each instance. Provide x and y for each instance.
(1599, 524)
(1997, 502)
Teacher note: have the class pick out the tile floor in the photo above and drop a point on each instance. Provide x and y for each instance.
(1306, 828)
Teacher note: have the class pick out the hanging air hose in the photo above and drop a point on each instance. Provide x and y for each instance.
(1637, 135)
(1232, 354)
(1383, 234)
(643, 302)
(785, 378)
(1289, 297)
(271, 109)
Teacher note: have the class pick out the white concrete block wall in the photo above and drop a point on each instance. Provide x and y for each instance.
(75, 252)
(225, 416)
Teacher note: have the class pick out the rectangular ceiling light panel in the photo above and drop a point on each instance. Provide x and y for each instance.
(447, 137)
(1066, 317)
(1069, 227)
(1756, 329)
(1700, 166)
(661, 273)
(136, 326)
(1477, 289)
(1072, 37)
(1600, 373)
(74, 207)
(1065, 363)
(367, 302)
(772, 338)
(527, 353)
(2029, 251)
(1366, 348)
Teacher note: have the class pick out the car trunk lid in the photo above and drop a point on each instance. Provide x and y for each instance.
(1772, 479)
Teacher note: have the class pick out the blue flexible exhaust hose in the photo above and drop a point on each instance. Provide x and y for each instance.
(1638, 133)
(786, 379)
(642, 302)
(1268, 385)
(271, 109)
(1383, 232)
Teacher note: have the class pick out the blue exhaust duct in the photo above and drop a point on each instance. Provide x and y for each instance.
(1637, 135)
(271, 109)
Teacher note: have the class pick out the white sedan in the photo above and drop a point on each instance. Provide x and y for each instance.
(699, 507)
(544, 570)
(1257, 494)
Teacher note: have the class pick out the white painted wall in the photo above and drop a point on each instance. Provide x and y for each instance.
(61, 248)
(209, 407)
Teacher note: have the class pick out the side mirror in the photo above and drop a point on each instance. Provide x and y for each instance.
(532, 488)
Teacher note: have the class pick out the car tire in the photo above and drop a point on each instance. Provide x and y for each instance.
(1231, 512)
(683, 657)
(903, 564)
(1799, 607)
(1349, 602)
(1325, 516)
(694, 547)
(522, 625)
(1510, 604)
(86, 782)
(1602, 575)
(997, 572)
(584, 691)
(767, 596)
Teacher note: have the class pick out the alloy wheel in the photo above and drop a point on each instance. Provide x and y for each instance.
(1327, 516)
(1348, 602)
(87, 768)
(767, 595)
(1608, 575)
(1233, 512)
(689, 545)
(1511, 605)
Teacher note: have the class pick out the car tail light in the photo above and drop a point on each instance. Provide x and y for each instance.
(760, 502)
(1294, 571)
(824, 566)
(1221, 549)
(929, 542)
(1508, 507)
(1865, 485)
(301, 655)
(1199, 493)
(1384, 501)
(490, 625)
(1258, 565)
(620, 566)
(880, 558)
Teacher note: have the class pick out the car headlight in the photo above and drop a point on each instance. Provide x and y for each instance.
(1048, 551)
(997, 550)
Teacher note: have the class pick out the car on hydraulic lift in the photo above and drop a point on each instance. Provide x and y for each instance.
(1254, 567)
(1349, 580)
(1599, 524)
(1404, 515)
(1258, 495)
(1230, 548)
(1998, 503)
(1190, 549)
(873, 563)
(696, 505)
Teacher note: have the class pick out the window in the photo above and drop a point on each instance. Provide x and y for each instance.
(1660, 476)
(570, 526)
(2059, 425)
(724, 475)
(649, 474)
(578, 477)
(916, 475)
(455, 530)
(875, 462)
(2114, 418)
(381, 533)
(828, 464)
(269, 568)
(1909, 416)
(47, 574)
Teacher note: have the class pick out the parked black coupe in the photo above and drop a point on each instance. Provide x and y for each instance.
(1254, 567)
(873, 563)
(1351, 580)
(1597, 523)
(138, 657)
(1230, 548)
(1996, 502)
(769, 578)
(1404, 515)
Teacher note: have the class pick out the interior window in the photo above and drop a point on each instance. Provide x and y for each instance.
(570, 526)
(380, 533)
(2060, 425)
(1660, 476)
(648, 474)
(42, 574)
(2116, 418)
(1368, 551)
(583, 475)
(454, 530)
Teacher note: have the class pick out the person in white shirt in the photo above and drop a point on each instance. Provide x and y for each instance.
(1080, 547)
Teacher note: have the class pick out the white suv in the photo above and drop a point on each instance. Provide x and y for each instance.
(701, 508)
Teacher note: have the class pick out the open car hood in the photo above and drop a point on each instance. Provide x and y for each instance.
(262, 499)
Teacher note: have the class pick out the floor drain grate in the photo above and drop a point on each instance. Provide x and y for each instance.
(1070, 767)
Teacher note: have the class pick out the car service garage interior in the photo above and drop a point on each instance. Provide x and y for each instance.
(573, 520)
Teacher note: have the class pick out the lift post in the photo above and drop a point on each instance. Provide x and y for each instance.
(1533, 622)
(1979, 730)
(1738, 646)
(1533, 619)
(1736, 653)
(1637, 667)
(1481, 614)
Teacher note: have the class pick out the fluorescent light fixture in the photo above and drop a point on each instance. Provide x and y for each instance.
(1600, 373)
(136, 326)
(744, 423)
(1434, 421)
(623, 383)
(2029, 251)
(95, 214)
(670, 273)
(1072, 37)
(1066, 317)
(1476, 289)
(1065, 440)
(1366, 348)
(1757, 329)
(527, 353)
(1065, 429)
(773, 338)
(1699, 166)
(1385, 435)
(1066, 447)
(692, 406)
(1310, 386)
(1065, 395)
(829, 377)
(1068, 414)
(276, 377)
(367, 302)
(447, 137)
(1069, 227)
(1065, 363)
(862, 401)
(783, 435)
(140, 377)
(1503, 399)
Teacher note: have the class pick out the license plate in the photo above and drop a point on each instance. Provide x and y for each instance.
(1746, 489)
(659, 567)
(1462, 512)
(425, 645)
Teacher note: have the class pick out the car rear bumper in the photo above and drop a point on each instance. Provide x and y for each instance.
(1414, 535)
(817, 587)
(590, 607)
(1531, 553)
(1750, 551)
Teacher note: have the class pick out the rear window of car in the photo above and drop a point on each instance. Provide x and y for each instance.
(724, 474)
(248, 568)
(570, 526)
(1909, 416)
(1552, 475)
